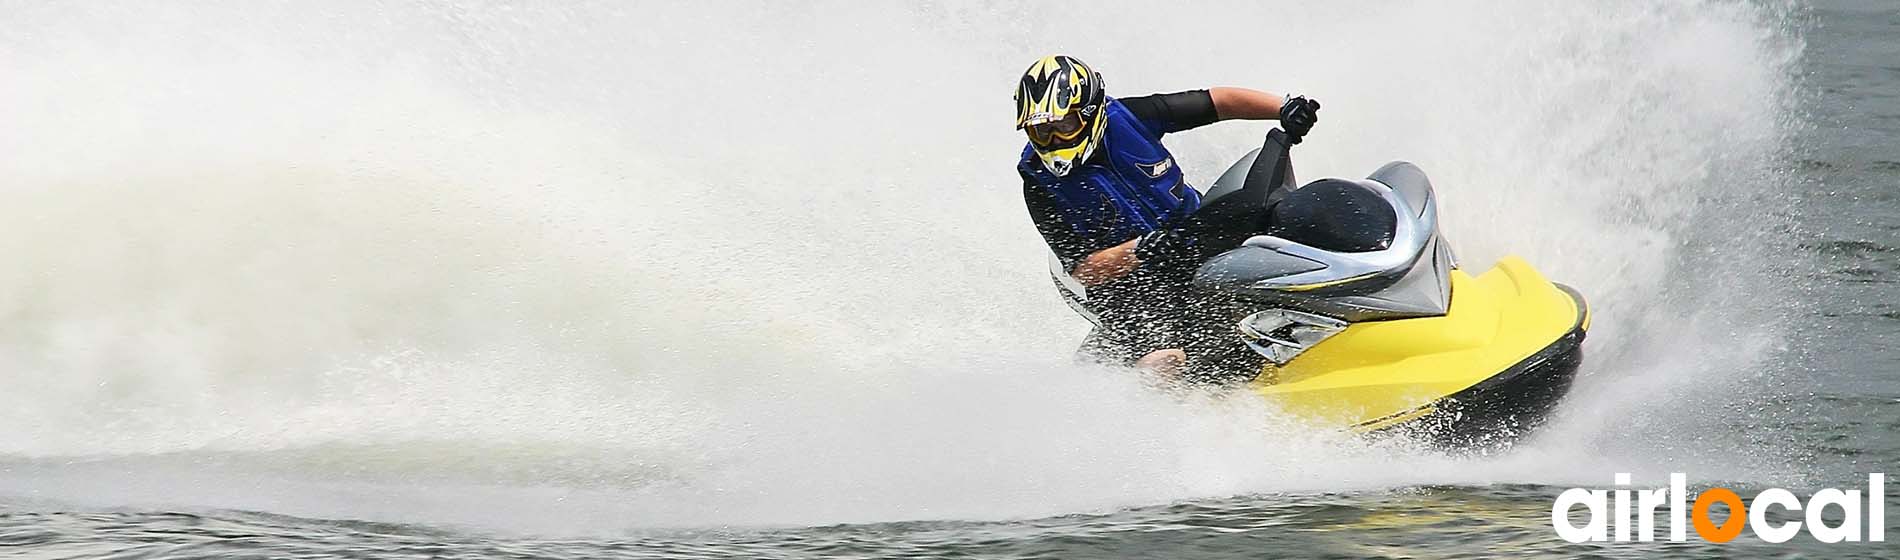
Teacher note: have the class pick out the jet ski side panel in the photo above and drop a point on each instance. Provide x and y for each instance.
(1501, 409)
(1379, 374)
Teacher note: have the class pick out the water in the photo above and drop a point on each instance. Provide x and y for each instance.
(611, 280)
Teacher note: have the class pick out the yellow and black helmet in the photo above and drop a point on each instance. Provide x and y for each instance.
(1060, 105)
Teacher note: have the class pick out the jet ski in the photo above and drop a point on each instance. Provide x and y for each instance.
(1340, 302)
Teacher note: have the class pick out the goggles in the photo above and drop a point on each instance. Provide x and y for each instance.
(1059, 132)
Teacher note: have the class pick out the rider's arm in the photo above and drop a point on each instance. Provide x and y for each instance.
(1175, 112)
(1086, 260)
(1168, 113)
(1107, 264)
(1243, 103)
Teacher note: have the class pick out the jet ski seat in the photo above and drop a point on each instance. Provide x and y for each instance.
(1407, 179)
(1355, 249)
(1335, 215)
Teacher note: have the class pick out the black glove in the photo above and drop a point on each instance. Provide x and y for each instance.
(1297, 116)
(1165, 247)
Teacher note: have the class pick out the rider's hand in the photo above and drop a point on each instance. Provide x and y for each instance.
(1297, 116)
(1163, 247)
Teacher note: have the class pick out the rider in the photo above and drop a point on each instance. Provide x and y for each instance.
(1106, 195)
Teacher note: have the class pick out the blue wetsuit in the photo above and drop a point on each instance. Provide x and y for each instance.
(1131, 185)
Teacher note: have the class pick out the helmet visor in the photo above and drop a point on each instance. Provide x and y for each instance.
(1058, 133)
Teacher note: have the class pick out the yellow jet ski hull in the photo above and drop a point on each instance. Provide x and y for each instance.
(1487, 370)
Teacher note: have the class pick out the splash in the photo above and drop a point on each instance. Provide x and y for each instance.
(625, 266)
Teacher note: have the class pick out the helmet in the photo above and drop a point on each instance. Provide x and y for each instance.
(1060, 105)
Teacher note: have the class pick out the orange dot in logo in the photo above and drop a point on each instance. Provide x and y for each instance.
(1731, 527)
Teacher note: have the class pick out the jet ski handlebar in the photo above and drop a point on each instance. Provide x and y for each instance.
(1271, 172)
(1225, 220)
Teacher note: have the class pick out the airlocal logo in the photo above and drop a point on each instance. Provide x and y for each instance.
(1751, 514)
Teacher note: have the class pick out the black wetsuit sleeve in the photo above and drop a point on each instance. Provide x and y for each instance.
(1068, 247)
(1174, 112)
